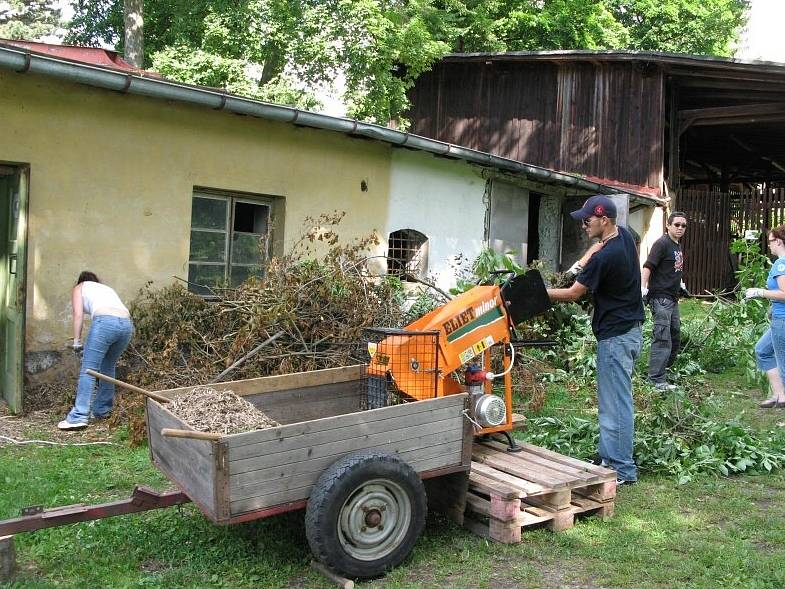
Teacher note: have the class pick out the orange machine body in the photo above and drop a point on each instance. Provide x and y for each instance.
(467, 327)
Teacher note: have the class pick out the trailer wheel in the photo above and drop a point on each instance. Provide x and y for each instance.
(365, 514)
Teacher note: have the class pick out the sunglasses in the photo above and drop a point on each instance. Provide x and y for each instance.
(680, 225)
(587, 221)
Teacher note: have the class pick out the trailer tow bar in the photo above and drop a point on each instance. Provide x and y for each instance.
(38, 518)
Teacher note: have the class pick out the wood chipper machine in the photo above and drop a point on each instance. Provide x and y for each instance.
(423, 360)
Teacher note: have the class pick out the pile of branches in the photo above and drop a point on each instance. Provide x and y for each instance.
(316, 299)
(313, 303)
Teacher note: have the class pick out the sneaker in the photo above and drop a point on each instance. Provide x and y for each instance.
(620, 482)
(101, 417)
(597, 461)
(67, 425)
(664, 386)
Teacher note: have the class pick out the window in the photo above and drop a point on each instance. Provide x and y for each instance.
(407, 254)
(229, 240)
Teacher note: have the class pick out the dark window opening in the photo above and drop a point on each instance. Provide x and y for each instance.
(533, 249)
(229, 241)
(407, 254)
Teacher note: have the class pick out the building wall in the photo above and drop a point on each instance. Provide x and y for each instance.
(550, 231)
(442, 199)
(112, 178)
(605, 121)
(509, 221)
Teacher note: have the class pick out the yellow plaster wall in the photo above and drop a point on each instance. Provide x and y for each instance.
(112, 178)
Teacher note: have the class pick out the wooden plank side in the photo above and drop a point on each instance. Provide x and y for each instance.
(244, 482)
(189, 463)
(309, 403)
(562, 459)
(372, 415)
(416, 459)
(448, 495)
(352, 443)
(535, 455)
(547, 467)
(520, 468)
(502, 482)
(359, 429)
(306, 473)
(268, 384)
(277, 399)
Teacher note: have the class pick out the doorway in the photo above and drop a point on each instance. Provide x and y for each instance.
(13, 229)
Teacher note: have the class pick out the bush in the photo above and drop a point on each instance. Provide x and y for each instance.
(674, 435)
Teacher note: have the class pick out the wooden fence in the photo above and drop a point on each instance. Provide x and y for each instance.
(715, 219)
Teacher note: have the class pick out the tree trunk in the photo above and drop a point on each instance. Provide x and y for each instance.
(134, 38)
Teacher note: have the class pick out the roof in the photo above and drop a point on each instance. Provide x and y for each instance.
(92, 55)
(671, 60)
(86, 66)
(730, 112)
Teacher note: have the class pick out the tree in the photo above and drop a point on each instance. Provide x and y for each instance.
(279, 50)
(28, 19)
(682, 26)
(133, 21)
(282, 50)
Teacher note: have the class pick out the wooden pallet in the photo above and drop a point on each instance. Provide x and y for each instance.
(511, 491)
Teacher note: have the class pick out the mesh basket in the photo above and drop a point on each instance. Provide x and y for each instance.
(402, 366)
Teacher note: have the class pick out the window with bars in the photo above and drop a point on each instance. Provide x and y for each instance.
(407, 254)
(229, 240)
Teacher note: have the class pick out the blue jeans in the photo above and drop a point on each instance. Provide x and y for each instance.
(615, 361)
(107, 339)
(666, 336)
(770, 349)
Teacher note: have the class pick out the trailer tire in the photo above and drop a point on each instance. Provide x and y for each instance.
(365, 514)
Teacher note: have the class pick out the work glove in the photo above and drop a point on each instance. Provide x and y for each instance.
(77, 346)
(644, 291)
(754, 293)
(575, 269)
(683, 290)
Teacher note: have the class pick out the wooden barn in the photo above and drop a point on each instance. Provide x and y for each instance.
(707, 133)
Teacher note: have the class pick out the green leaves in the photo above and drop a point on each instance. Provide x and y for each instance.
(286, 50)
(28, 19)
(673, 435)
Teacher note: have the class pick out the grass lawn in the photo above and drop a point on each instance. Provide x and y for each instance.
(710, 533)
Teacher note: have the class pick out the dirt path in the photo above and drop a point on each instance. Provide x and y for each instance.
(42, 426)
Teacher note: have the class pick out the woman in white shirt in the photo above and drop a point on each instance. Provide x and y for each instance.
(109, 334)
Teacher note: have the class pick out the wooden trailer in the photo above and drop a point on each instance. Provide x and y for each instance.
(357, 472)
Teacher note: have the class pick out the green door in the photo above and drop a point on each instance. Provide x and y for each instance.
(13, 225)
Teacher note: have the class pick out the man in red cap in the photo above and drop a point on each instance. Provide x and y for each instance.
(612, 275)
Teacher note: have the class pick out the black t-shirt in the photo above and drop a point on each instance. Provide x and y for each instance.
(666, 263)
(614, 278)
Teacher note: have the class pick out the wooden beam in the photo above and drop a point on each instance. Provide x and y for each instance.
(729, 79)
(708, 168)
(753, 151)
(745, 120)
(674, 141)
(539, 187)
(733, 111)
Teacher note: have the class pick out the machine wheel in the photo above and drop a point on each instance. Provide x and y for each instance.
(365, 514)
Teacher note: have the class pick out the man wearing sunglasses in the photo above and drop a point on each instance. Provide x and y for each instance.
(612, 274)
(662, 279)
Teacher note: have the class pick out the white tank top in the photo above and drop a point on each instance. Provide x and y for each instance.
(99, 296)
